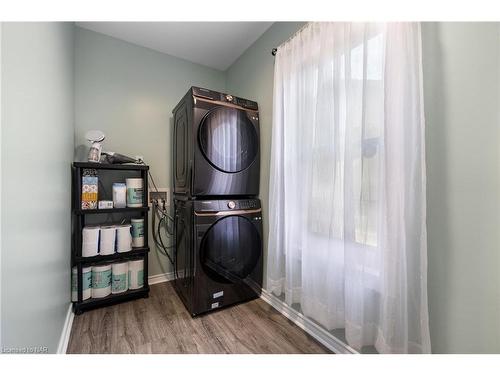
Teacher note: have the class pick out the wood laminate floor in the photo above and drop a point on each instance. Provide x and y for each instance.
(161, 324)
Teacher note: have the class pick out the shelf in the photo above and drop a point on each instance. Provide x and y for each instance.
(116, 256)
(130, 167)
(107, 174)
(110, 210)
(93, 303)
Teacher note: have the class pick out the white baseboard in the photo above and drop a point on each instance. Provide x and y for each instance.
(66, 331)
(312, 328)
(161, 278)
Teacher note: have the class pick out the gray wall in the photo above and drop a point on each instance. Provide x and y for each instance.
(461, 62)
(461, 67)
(129, 92)
(251, 77)
(37, 149)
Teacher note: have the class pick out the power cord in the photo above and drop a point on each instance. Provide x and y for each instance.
(163, 217)
(160, 211)
(164, 220)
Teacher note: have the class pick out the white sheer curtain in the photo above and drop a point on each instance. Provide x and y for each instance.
(347, 236)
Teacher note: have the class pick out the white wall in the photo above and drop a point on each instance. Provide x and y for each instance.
(461, 77)
(129, 92)
(36, 151)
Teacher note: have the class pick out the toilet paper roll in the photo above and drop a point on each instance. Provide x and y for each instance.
(137, 232)
(101, 281)
(86, 285)
(90, 241)
(136, 274)
(107, 241)
(123, 238)
(134, 192)
(119, 278)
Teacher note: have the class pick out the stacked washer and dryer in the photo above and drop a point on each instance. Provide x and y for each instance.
(218, 218)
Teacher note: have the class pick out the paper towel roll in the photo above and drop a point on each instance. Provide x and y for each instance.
(86, 285)
(101, 281)
(90, 241)
(137, 232)
(119, 278)
(134, 192)
(107, 241)
(123, 238)
(136, 274)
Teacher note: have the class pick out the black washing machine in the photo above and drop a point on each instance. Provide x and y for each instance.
(215, 145)
(218, 259)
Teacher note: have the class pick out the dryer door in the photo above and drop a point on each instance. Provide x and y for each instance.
(231, 249)
(228, 139)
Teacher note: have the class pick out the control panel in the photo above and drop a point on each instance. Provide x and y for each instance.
(226, 98)
(226, 205)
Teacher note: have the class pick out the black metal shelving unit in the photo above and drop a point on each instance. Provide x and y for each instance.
(107, 174)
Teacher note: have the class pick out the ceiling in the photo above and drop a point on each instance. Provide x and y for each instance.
(213, 44)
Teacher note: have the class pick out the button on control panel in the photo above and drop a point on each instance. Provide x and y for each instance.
(246, 205)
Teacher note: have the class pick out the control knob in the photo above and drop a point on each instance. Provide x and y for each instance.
(231, 204)
(229, 98)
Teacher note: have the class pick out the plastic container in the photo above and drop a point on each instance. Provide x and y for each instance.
(101, 281)
(135, 192)
(137, 232)
(119, 278)
(136, 274)
(86, 285)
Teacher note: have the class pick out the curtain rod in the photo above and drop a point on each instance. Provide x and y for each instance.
(275, 49)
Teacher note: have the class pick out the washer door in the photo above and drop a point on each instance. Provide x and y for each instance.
(230, 249)
(228, 139)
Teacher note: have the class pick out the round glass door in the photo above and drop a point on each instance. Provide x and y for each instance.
(230, 249)
(228, 139)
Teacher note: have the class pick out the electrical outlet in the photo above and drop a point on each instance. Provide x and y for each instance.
(162, 193)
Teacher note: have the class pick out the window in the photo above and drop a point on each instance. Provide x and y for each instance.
(361, 124)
